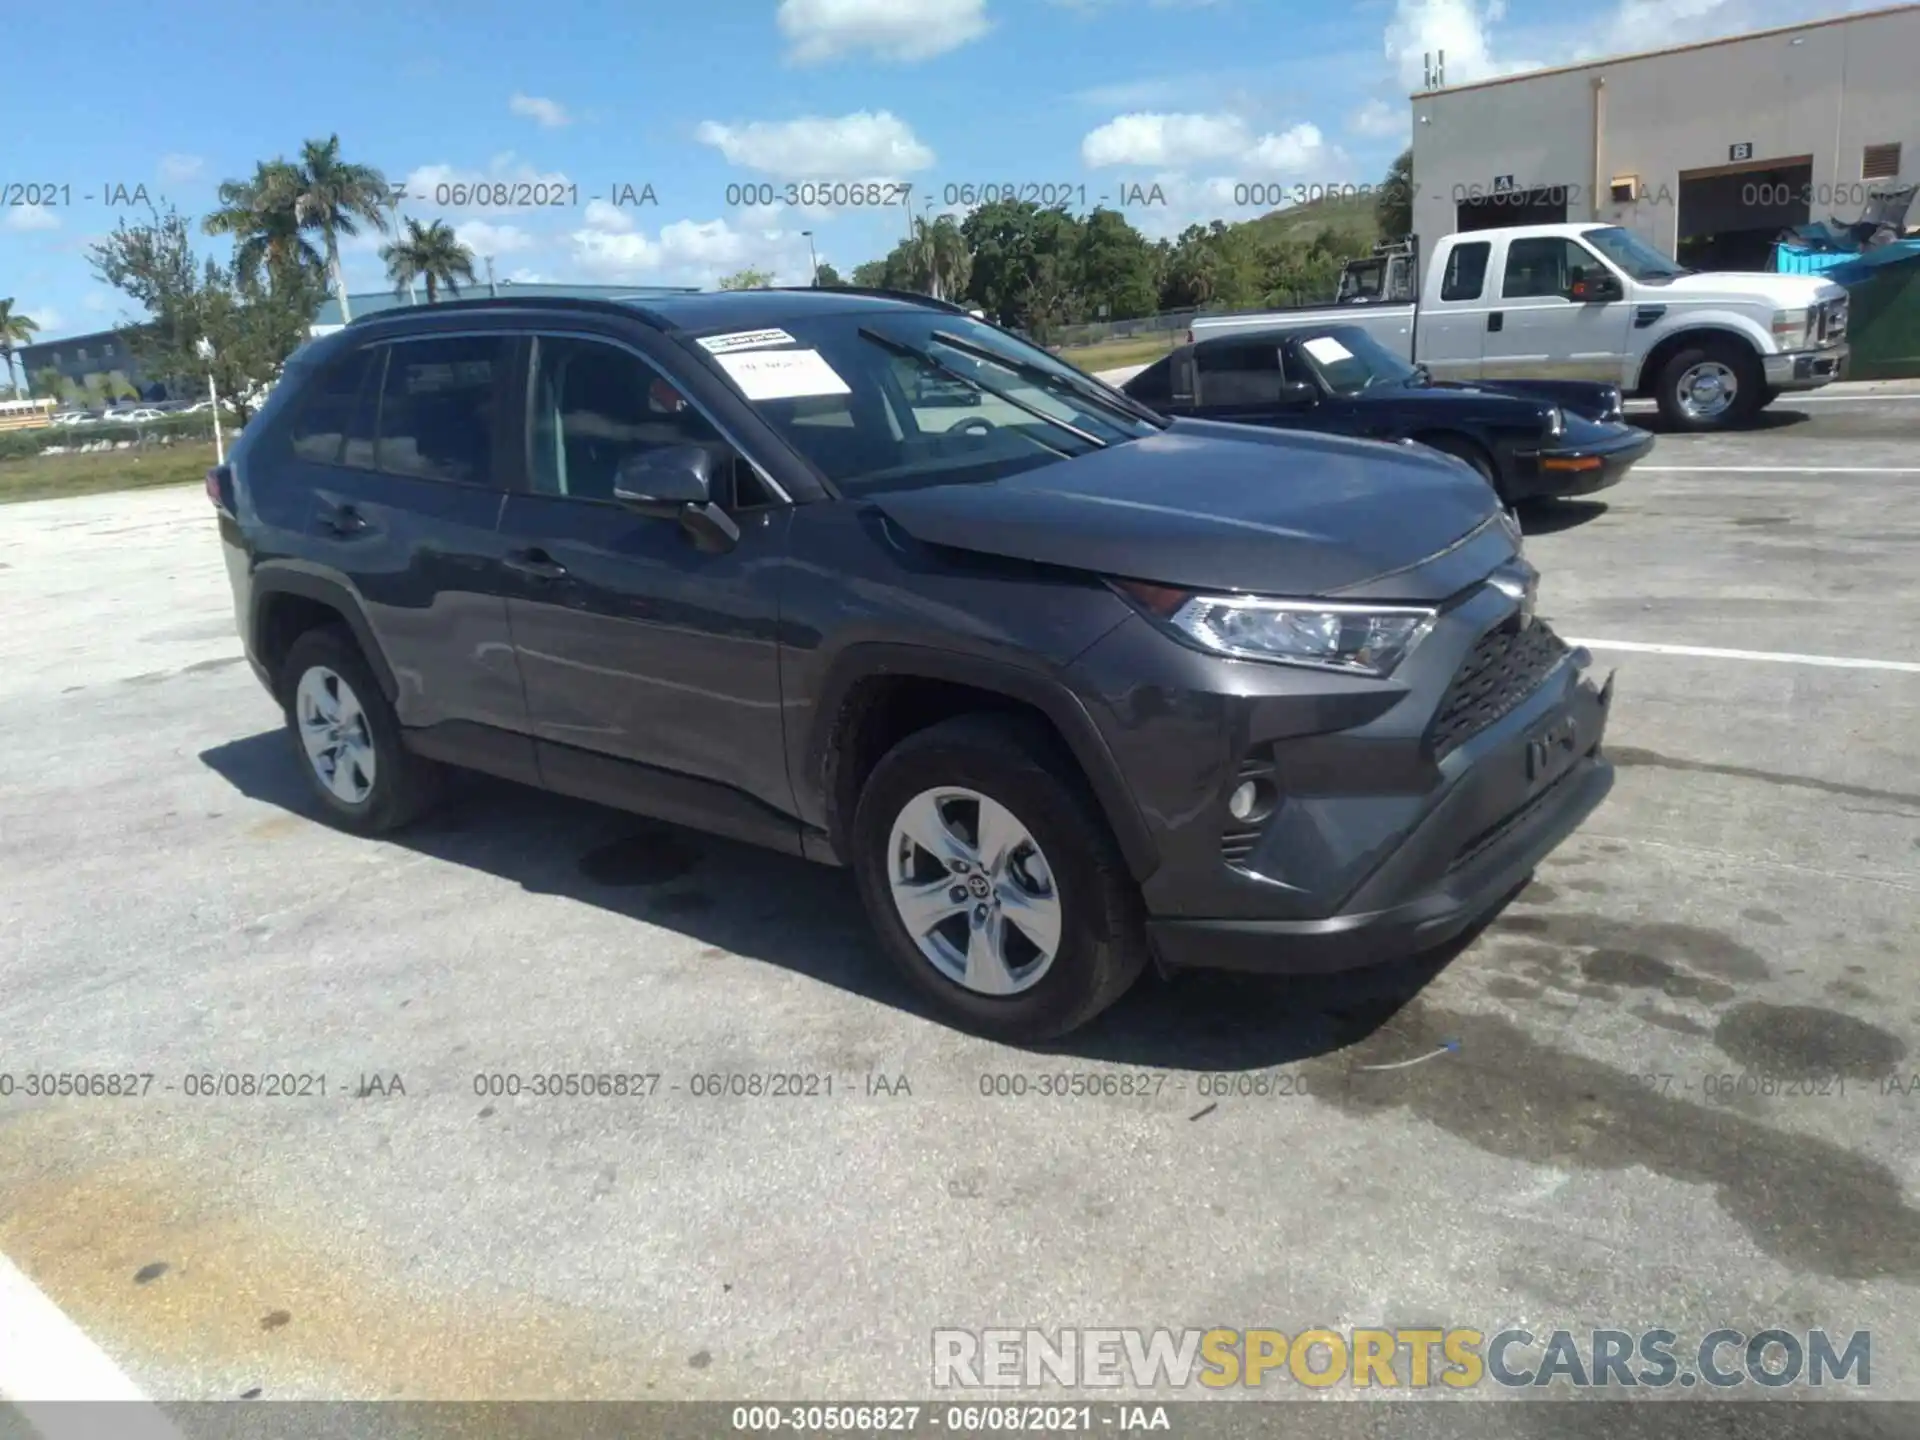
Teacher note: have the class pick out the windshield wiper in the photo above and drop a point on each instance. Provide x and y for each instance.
(1112, 401)
(914, 352)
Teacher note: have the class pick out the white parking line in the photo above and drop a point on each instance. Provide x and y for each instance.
(1777, 469)
(47, 1361)
(1788, 404)
(1777, 657)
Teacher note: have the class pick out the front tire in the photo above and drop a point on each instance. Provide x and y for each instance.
(347, 738)
(993, 882)
(1714, 385)
(1471, 453)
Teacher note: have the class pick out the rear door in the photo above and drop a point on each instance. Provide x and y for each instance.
(404, 448)
(1454, 309)
(638, 646)
(1537, 330)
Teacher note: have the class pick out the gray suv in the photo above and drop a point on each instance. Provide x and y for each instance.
(1072, 687)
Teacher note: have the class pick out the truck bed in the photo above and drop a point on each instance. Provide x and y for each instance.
(1389, 322)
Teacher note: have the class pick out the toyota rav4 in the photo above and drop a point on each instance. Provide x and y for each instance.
(1073, 688)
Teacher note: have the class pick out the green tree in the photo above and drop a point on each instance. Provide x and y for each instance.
(48, 380)
(428, 252)
(871, 275)
(939, 260)
(826, 277)
(747, 280)
(15, 330)
(1114, 267)
(334, 198)
(262, 217)
(1393, 204)
(1025, 260)
(254, 318)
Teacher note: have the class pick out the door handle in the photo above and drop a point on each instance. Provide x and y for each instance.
(1495, 320)
(342, 520)
(535, 565)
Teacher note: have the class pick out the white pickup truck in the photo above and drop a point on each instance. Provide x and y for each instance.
(1589, 302)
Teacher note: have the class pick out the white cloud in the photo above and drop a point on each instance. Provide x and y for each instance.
(94, 301)
(688, 252)
(1461, 28)
(602, 216)
(549, 113)
(177, 169)
(865, 143)
(1651, 24)
(484, 238)
(31, 217)
(1378, 120)
(50, 320)
(1177, 141)
(903, 30)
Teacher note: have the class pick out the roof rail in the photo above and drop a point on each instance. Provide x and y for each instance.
(885, 293)
(505, 302)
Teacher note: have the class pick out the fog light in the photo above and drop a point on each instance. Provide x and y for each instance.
(1244, 801)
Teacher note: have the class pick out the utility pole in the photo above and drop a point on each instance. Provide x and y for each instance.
(813, 278)
(492, 289)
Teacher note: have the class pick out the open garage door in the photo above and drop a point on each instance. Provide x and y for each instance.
(1731, 215)
(1542, 205)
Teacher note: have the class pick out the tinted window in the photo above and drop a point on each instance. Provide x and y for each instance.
(1239, 359)
(1466, 273)
(326, 411)
(1153, 385)
(594, 406)
(1544, 265)
(437, 411)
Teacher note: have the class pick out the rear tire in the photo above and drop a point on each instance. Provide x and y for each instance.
(1715, 385)
(1049, 866)
(346, 737)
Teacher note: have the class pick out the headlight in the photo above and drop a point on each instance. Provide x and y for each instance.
(1790, 328)
(1613, 405)
(1354, 639)
(1556, 423)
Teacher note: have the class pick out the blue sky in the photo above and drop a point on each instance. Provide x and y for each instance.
(582, 98)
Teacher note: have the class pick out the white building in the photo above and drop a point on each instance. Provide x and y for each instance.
(1707, 150)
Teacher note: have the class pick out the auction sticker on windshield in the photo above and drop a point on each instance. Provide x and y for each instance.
(782, 374)
(745, 340)
(1326, 349)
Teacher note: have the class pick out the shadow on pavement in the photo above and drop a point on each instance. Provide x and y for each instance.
(1549, 517)
(1778, 416)
(807, 918)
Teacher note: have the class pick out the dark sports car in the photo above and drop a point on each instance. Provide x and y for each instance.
(1530, 438)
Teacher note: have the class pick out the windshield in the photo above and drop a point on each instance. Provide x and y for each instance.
(880, 399)
(1632, 254)
(1346, 360)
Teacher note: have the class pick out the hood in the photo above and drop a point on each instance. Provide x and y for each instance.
(1230, 507)
(1782, 292)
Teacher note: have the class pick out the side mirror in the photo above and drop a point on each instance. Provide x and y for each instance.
(1295, 394)
(677, 481)
(1591, 289)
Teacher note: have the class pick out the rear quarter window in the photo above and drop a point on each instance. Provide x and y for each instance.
(324, 403)
(1153, 385)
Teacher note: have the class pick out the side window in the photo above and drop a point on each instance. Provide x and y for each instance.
(319, 430)
(1153, 385)
(1238, 359)
(1466, 274)
(595, 404)
(1238, 374)
(1544, 265)
(438, 408)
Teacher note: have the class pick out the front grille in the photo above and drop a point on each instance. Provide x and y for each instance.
(1504, 667)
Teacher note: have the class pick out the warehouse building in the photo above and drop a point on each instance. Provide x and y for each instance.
(1709, 151)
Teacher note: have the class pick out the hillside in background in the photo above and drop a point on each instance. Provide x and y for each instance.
(1302, 224)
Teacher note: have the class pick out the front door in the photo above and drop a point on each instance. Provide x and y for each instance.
(1537, 331)
(636, 645)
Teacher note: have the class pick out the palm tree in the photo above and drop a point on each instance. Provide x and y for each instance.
(334, 197)
(941, 262)
(262, 216)
(428, 252)
(14, 330)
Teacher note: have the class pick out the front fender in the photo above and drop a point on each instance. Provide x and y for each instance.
(1704, 322)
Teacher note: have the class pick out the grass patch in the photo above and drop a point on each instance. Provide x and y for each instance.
(48, 477)
(1112, 354)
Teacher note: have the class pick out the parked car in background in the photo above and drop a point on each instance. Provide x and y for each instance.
(1527, 438)
(1589, 302)
(141, 415)
(1071, 686)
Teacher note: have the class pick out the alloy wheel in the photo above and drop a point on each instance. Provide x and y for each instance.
(335, 734)
(1708, 390)
(974, 890)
